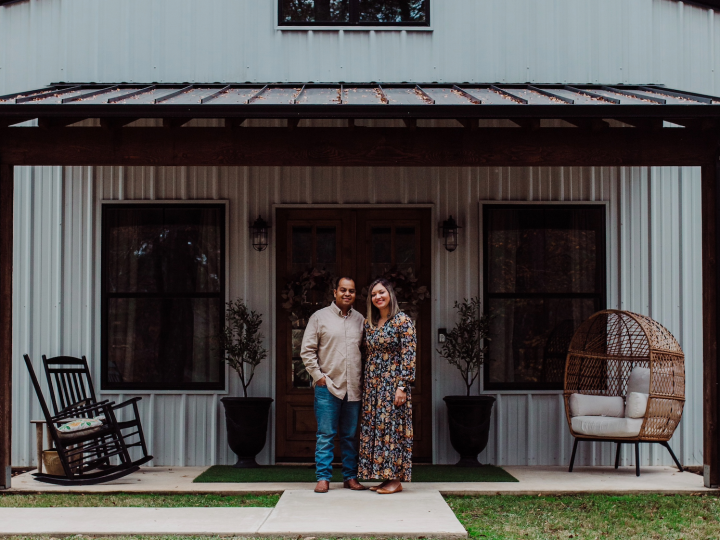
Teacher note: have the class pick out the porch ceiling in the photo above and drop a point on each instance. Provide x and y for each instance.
(581, 105)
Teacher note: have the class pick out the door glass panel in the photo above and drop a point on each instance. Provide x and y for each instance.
(302, 252)
(381, 250)
(405, 248)
(300, 377)
(326, 248)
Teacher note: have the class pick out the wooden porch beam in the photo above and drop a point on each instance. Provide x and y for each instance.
(6, 257)
(337, 147)
(711, 321)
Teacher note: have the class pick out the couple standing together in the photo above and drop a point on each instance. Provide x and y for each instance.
(362, 364)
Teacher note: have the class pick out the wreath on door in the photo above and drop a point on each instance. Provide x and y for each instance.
(305, 293)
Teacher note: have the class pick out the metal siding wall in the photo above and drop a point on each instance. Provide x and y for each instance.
(653, 248)
(563, 41)
(653, 263)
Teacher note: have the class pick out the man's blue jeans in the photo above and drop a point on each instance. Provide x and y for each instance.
(335, 415)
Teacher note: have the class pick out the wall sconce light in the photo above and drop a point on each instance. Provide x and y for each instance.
(260, 234)
(450, 233)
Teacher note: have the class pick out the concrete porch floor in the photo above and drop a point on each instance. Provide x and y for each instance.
(532, 481)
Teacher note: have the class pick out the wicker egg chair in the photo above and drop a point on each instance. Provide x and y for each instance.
(603, 353)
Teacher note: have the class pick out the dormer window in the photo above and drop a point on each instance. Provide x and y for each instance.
(354, 12)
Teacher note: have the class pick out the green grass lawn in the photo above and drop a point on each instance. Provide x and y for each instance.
(146, 500)
(505, 517)
(666, 517)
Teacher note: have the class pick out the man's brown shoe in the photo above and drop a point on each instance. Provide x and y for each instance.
(323, 486)
(354, 485)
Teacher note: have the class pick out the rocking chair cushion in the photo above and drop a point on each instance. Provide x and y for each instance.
(636, 405)
(602, 426)
(587, 405)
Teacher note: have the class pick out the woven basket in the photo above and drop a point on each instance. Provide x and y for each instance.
(606, 348)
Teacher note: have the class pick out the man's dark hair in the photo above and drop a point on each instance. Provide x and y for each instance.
(338, 280)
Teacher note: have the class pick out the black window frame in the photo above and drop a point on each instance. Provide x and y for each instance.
(601, 295)
(354, 21)
(105, 383)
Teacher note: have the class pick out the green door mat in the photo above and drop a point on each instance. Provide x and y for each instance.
(293, 473)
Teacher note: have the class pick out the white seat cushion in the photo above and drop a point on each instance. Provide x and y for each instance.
(586, 405)
(639, 380)
(603, 426)
(636, 405)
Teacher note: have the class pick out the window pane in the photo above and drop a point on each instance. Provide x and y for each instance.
(164, 341)
(392, 11)
(544, 250)
(326, 248)
(300, 376)
(381, 256)
(302, 252)
(155, 250)
(405, 248)
(133, 245)
(315, 11)
(530, 338)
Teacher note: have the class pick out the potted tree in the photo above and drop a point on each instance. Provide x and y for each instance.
(246, 417)
(469, 416)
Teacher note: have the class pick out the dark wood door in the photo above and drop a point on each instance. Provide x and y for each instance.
(363, 244)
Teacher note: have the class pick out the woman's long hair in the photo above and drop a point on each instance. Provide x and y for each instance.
(373, 313)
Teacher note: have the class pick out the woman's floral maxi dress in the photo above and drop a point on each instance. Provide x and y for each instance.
(386, 431)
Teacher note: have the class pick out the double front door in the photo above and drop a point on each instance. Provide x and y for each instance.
(363, 244)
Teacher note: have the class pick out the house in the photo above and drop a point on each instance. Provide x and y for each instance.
(575, 143)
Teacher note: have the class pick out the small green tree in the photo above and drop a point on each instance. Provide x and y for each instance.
(242, 341)
(464, 345)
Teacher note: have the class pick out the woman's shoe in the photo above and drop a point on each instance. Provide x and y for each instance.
(386, 491)
(379, 486)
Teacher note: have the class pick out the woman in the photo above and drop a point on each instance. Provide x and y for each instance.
(386, 432)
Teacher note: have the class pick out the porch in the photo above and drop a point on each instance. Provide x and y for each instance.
(531, 481)
(463, 159)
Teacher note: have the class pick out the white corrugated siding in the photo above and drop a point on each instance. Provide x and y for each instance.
(543, 41)
(654, 268)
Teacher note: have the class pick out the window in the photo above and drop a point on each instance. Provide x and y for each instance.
(163, 296)
(354, 12)
(544, 269)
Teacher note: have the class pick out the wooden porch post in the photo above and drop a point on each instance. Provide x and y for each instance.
(711, 320)
(6, 264)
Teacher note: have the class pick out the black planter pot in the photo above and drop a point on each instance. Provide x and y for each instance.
(247, 422)
(469, 421)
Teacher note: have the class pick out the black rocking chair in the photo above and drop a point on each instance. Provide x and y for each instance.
(70, 384)
(85, 455)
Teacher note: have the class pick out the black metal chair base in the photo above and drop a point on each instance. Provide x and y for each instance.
(617, 452)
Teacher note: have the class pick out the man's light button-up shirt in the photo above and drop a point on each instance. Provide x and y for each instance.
(331, 349)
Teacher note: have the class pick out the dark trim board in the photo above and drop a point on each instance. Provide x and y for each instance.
(6, 265)
(361, 147)
(711, 321)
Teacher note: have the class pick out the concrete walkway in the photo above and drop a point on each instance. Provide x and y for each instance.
(340, 513)
(532, 481)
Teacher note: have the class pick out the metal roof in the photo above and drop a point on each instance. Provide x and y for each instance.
(370, 100)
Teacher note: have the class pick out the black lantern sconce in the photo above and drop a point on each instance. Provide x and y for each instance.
(260, 234)
(450, 233)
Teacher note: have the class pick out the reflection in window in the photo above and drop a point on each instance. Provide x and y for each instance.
(354, 12)
(545, 274)
(393, 11)
(315, 11)
(163, 296)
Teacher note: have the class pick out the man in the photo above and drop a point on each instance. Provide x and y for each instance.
(331, 354)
